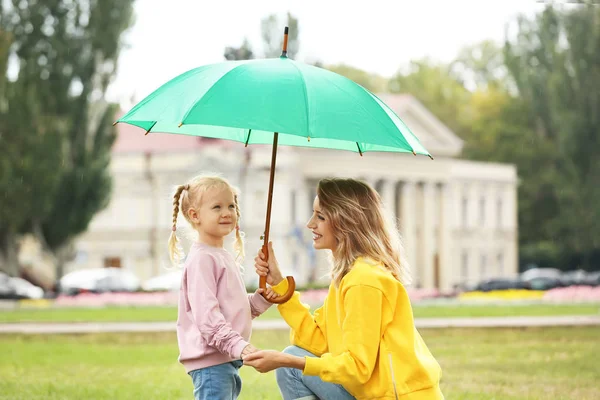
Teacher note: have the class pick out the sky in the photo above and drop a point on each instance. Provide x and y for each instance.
(379, 36)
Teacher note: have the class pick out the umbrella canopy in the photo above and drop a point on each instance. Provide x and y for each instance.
(247, 101)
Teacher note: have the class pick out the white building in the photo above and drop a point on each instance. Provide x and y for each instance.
(458, 218)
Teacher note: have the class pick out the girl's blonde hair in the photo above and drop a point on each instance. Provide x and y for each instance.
(190, 195)
(362, 227)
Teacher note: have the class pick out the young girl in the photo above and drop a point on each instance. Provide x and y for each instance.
(215, 314)
(362, 343)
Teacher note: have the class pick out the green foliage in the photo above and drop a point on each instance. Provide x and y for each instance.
(437, 88)
(244, 52)
(554, 61)
(55, 125)
(372, 82)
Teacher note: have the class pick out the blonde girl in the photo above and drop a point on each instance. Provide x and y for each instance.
(214, 313)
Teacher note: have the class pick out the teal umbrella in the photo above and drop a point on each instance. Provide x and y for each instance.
(274, 101)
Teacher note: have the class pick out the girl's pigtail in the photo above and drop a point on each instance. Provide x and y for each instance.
(175, 252)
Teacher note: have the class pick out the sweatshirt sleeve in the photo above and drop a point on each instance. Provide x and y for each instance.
(361, 334)
(307, 331)
(258, 304)
(204, 308)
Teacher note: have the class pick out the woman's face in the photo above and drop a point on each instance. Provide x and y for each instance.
(323, 237)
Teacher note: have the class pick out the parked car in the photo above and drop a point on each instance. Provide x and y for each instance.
(99, 280)
(534, 273)
(13, 288)
(501, 284)
(545, 283)
(171, 281)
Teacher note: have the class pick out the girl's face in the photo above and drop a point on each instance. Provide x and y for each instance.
(216, 217)
(323, 237)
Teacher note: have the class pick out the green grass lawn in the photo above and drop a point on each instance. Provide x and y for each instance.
(478, 364)
(140, 314)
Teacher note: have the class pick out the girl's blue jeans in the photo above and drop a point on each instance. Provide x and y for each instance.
(219, 382)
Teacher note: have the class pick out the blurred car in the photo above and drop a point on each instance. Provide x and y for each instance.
(545, 283)
(99, 280)
(592, 279)
(573, 278)
(171, 281)
(501, 284)
(551, 273)
(18, 288)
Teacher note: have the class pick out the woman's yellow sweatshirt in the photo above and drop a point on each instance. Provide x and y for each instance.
(365, 338)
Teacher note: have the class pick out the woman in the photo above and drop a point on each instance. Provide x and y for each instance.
(362, 343)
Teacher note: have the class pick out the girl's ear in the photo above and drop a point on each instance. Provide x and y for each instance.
(193, 216)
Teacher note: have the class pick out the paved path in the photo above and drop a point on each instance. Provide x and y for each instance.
(479, 322)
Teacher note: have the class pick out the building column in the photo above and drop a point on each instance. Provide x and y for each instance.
(407, 224)
(447, 273)
(388, 193)
(426, 235)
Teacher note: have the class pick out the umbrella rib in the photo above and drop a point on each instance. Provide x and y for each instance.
(359, 150)
(305, 98)
(383, 104)
(368, 92)
(149, 129)
(212, 86)
(248, 138)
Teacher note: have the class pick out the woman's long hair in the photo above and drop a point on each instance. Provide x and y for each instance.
(362, 228)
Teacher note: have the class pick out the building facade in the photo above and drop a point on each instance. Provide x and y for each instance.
(458, 218)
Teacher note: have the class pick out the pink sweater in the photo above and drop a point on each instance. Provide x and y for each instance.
(215, 313)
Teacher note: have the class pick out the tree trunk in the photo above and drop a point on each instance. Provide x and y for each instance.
(9, 249)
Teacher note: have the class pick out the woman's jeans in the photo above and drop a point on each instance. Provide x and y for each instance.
(295, 386)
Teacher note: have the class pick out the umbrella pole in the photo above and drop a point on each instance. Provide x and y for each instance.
(265, 248)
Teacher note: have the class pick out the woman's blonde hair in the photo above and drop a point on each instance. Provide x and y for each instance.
(190, 195)
(362, 227)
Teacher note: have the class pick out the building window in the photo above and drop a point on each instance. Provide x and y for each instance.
(500, 260)
(293, 207)
(499, 205)
(112, 262)
(483, 267)
(465, 209)
(482, 211)
(464, 267)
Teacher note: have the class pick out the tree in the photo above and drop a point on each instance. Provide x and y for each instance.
(67, 53)
(438, 89)
(555, 65)
(26, 135)
(480, 66)
(373, 82)
(244, 52)
(272, 35)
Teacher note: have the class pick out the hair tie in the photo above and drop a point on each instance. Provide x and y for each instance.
(174, 228)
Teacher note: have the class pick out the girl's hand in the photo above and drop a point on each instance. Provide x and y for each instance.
(249, 349)
(268, 293)
(269, 269)
(268, 360)
(264, 360)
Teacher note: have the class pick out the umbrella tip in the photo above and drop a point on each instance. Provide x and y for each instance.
(430, 156)
(179, 126)
(116, 122)
(285, 42)
(414, 153)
